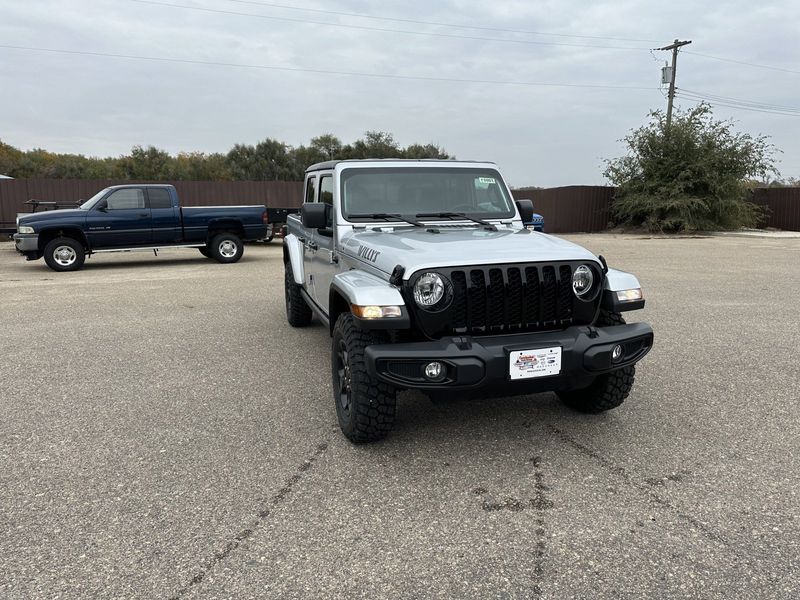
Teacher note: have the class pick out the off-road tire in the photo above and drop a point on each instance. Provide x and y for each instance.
(64, 254)
(226, 247)
(370, 413)
(298, 313)
(205, 251)
(606, 391)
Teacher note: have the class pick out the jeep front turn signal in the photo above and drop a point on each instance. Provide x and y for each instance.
(629, 295)
(376, 312)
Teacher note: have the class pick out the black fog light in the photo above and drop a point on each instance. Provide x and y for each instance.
(434, 370)
(617, 352)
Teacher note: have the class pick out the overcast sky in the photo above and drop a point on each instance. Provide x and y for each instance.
(538, 135)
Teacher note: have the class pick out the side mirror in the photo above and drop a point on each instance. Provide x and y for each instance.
(525, 208)
(314, 215)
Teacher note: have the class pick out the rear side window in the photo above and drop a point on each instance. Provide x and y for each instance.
(159, 198)
(326, 189)
(311, 189)
(130, 198)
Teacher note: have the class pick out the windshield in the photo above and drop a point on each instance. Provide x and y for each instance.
(424, 191)
(90, 202)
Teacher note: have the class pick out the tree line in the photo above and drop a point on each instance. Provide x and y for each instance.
(267, 160)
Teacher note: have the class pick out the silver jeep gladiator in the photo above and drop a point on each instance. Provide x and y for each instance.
(427, 279)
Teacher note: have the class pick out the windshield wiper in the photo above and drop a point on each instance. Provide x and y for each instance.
(455, 215)
(388, 216)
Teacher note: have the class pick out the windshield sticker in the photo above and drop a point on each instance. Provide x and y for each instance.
(487, 180)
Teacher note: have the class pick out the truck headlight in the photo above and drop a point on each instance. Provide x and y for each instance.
(24, 229)
(582, 280)
(429, 290)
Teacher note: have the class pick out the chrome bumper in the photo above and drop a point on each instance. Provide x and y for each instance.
(26, 242)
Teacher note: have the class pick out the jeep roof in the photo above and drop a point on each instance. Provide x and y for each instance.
(330, 164)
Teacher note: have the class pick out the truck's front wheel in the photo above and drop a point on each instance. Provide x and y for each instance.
(606, 391)
(365, 406)
(64, 254)
(226, 248)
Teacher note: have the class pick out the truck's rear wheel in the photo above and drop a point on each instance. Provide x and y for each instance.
(298, 313)
(64, 254)
(226, 248)
(365, 406)
(606, 391)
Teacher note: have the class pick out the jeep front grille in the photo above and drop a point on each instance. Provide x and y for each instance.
(507, 299)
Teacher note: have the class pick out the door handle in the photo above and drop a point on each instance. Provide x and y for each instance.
(144, 214)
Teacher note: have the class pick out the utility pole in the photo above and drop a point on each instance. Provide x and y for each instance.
(671, 94)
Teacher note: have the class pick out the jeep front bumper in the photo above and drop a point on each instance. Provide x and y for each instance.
(474, 363)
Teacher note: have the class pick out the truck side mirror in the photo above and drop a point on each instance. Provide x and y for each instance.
(525, 208)
(314, 215)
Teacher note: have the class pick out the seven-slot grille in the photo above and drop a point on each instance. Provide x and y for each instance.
(508, 298)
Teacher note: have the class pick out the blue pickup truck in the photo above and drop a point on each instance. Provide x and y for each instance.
(135, 217)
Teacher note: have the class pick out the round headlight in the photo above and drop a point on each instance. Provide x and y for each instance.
(582, 280)
(429, 290)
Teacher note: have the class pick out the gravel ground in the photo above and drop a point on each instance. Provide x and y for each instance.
(166, 434)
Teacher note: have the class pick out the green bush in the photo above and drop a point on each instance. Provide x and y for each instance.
(692, 176)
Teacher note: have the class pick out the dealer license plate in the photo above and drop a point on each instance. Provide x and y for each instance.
(541, 362)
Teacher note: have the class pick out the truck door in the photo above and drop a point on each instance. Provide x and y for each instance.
(165, 217)
(321, 266)
(120, 220)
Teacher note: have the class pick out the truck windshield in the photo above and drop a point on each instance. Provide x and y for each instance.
(435, 192)
(90, 202)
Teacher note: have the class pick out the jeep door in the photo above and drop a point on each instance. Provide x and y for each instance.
(120, 220)
(318, 261)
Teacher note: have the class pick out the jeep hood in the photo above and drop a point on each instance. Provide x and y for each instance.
(417, 249)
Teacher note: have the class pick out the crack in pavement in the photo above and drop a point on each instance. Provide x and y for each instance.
(263, 512)
(540, 503)
(645, 488)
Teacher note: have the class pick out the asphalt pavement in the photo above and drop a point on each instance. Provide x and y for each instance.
(165, 434)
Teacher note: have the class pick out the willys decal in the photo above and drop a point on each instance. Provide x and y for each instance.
(368, 253)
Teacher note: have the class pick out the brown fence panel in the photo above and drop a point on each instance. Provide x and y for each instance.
(15, 192)
(574, 208)
(783, 206)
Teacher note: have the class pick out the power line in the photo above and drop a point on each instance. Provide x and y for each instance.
(441, 23)
(786, 113)
(386, 30)
(741, 62)
(323, 71)
(754, 103)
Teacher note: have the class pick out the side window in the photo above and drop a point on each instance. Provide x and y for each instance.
(130, 198)
(311, 188)
(326, 189)
(159, 198)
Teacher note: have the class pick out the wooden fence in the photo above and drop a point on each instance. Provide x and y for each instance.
(575, 208)
(783, 206)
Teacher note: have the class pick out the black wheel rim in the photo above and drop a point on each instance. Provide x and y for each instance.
(343, 378)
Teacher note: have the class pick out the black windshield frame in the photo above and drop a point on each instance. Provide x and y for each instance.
(453, 178)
